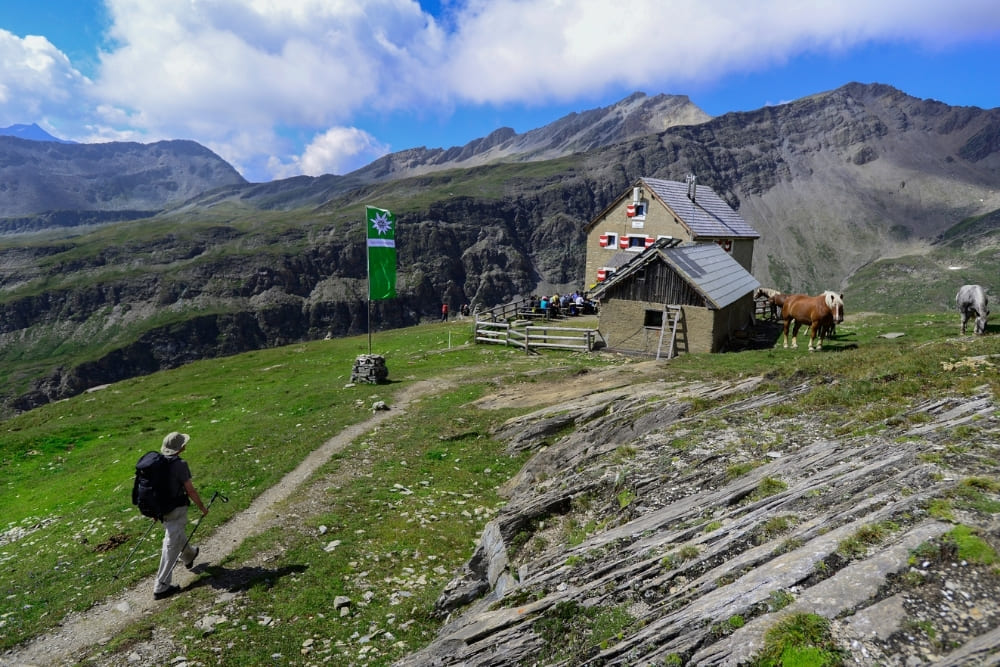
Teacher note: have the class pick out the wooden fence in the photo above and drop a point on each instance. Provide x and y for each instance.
(530, 337)
(507, 312)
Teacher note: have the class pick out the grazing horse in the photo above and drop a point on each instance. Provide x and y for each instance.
(770, 295)
(821, 313)
(775, 298)
(971, 300)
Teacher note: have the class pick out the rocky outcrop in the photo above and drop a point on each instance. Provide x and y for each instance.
(651, 536)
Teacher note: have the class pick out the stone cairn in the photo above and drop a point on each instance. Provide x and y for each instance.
(369, 368)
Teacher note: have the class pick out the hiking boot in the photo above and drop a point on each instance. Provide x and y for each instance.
(167, 592)
(190, 564)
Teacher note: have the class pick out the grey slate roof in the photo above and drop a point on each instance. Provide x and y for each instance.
(708, 216)
(709, 269)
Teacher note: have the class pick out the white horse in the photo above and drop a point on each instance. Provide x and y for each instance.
(971, 300)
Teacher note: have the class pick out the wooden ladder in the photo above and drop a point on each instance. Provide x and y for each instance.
(672, 319)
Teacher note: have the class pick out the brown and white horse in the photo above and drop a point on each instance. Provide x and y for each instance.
(821, 312)
(774, 299)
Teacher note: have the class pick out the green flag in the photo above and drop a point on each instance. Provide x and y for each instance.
(381, 253)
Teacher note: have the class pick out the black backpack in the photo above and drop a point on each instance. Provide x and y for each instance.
(151, 491)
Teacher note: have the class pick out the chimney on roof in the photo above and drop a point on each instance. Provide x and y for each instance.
(690, 180)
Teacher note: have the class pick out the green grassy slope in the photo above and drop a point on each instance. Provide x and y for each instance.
(968, 253)
(66, 519)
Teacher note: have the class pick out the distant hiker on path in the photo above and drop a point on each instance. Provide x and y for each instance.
(444, 312)
(175, 521)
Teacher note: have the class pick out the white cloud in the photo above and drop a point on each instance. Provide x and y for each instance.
(232, 73)
(557, 50)
(336, 151)
(247, 78)
(37, 81)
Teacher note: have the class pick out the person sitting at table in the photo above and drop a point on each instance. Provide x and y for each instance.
(554, 305)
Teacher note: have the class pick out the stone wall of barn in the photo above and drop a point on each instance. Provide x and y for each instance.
(622, 323)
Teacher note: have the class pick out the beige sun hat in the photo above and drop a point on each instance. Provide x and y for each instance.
(174, 443)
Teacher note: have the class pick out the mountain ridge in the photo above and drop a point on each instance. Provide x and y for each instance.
(634, 116)
(41, 177)
(31, 132)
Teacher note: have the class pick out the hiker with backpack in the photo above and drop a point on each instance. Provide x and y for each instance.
(173, 510)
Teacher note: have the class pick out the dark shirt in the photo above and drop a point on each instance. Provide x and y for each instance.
(179, 473)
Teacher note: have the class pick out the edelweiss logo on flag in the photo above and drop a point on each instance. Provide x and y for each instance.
(381, 228)
(382, 223)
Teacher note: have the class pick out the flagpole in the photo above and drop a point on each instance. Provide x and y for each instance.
(368, 259)
(369, 272)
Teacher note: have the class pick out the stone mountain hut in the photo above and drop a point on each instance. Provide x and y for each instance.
(655, 209)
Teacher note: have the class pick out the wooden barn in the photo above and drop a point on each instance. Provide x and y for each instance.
(654, 209)
(673, 297)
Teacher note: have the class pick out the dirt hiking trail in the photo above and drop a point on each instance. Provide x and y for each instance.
(79, 633)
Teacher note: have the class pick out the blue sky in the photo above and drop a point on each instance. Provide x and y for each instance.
(280, 88)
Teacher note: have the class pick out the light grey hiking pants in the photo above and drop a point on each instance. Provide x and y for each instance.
(174, 523)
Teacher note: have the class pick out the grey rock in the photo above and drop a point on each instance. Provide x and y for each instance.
(692, 548)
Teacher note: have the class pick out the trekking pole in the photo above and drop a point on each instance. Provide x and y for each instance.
(220, 496)
(122, 566)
